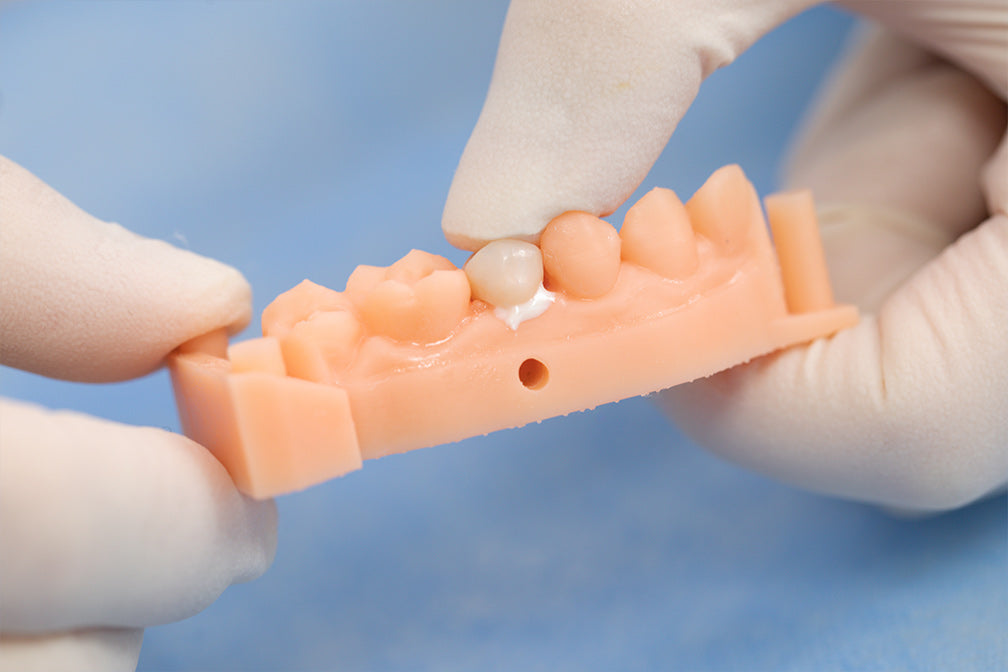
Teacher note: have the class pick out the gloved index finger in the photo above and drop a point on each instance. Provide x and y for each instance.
(584, 98)
(86, 300)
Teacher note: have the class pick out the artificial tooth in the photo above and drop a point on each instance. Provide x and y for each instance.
(657, 235)
(581, 255)
(505, 272)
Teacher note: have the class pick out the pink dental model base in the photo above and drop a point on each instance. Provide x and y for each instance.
(405, 358)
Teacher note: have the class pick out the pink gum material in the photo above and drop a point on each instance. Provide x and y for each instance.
(313, 398)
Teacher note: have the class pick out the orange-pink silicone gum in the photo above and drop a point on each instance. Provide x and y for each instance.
(405, 358)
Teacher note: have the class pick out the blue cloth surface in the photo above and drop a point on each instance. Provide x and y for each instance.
(299, 139)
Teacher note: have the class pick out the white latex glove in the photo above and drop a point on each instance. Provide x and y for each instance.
(910, 408)
(105, 528)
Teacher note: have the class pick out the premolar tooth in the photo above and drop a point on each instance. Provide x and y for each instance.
(581, 255)
(657, 235)
(505, 272)
(723, 209)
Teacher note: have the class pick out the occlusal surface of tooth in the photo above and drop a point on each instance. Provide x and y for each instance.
(505, 273)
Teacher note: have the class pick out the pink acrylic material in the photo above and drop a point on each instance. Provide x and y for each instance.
(405, 358)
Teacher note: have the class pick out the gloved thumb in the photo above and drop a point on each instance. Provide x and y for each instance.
(584, 97)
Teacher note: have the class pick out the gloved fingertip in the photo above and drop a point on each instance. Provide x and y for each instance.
(88, 300)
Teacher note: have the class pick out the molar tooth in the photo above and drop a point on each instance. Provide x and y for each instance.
(505, 272)
(424, 312)
(337, 334)
(362, 282)
(297, 304)
(581, 255)
(419, 299)
(722, 210)
(322, 346)
(657, 235)
(390, 309)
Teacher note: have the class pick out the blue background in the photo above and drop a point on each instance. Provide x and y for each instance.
(299, 139)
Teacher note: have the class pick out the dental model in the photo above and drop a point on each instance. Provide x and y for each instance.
(423, 353)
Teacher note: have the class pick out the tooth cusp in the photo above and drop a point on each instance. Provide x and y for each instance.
(322, 346)
(417, 265)
(420, 299)
(723, 209)
(657, 235)
(297, 304)
(390, 309)
(362, 282)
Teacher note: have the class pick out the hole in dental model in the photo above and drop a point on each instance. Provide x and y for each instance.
(533, 374)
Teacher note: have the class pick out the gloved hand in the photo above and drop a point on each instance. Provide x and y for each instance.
(910, 408)
(104, 528)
